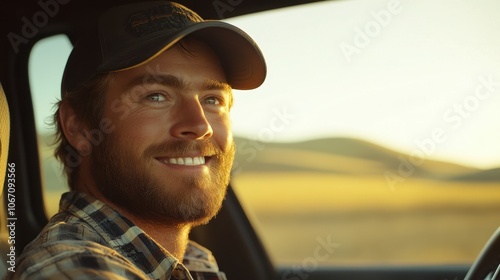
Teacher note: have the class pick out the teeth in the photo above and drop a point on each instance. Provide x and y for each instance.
(187, 161)
(198, 160)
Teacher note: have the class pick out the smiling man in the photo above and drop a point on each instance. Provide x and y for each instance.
(145, 139)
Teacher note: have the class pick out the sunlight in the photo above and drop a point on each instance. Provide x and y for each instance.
(392, 73)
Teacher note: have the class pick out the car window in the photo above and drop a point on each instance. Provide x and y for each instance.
(375, 138)
(373, 141)
(46, 65)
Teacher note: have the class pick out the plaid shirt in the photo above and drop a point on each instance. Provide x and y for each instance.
(89, 240)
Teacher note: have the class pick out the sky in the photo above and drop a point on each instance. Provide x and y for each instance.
(414, 76)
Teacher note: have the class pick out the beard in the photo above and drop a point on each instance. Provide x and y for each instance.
(127, 181)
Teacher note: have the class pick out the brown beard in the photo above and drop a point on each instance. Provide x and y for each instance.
(124, 180)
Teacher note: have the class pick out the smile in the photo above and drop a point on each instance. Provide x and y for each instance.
(190, 161)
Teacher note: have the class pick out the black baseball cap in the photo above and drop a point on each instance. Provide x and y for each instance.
(130, 35)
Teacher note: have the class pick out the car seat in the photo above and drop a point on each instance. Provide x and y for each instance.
(4, 148)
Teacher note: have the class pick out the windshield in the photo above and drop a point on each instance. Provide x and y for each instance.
(376, 131)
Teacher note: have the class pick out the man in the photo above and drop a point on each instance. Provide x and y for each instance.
(145, 139)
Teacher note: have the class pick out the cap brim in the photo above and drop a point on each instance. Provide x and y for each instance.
(240, 56)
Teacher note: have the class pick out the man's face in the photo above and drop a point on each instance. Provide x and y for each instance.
(171, 150)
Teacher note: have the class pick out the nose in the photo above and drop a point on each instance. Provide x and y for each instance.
(190, 121)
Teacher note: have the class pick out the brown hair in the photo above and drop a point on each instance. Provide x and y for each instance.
(87, 101)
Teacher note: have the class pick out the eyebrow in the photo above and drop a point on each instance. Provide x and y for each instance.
(173, 81)
(216, 85)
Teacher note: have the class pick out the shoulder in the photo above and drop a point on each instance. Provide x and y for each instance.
(64, 226)
(72, 259)
(69, 248)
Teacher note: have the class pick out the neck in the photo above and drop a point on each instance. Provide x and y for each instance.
(173, 238)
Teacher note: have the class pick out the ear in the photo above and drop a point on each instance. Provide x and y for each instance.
(74, 129)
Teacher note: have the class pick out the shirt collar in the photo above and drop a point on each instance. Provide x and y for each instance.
(121, 234)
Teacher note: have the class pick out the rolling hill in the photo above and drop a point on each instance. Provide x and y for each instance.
(348, 156)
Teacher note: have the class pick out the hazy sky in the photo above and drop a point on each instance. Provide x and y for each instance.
(416, 76)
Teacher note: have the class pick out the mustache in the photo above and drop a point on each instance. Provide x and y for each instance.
(178, 148)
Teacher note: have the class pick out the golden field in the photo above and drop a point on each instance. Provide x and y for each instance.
(418, 222)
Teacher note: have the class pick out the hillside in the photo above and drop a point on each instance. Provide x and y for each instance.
(348, 156)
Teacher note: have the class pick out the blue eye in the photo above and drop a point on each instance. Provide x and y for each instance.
(156, 97)
(212, 100)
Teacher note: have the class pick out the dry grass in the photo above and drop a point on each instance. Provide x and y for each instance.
(418, 222)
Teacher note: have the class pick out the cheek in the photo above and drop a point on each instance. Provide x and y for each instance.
(141, 130)
(222, 132)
